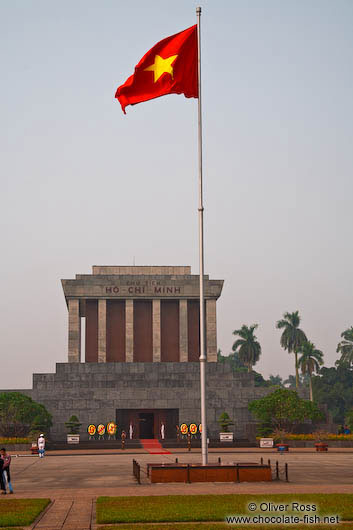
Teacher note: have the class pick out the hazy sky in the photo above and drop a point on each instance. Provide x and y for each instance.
(82, 184)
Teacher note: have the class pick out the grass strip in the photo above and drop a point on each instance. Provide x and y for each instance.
(214, 526)
(14, 512)
(185, 508)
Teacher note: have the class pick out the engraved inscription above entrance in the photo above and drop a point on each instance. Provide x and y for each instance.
(142, 290)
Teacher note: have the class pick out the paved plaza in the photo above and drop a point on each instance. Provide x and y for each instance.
(74, 480)
(110, 473)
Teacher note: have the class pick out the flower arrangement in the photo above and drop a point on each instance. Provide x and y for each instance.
(328, 436)
(320, 436)
(8, 441)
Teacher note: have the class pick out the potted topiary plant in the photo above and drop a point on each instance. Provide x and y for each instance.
(73, 427)
(280, 435)
(224, 421)
(320, 444)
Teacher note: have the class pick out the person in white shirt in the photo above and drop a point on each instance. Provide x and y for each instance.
(41, 445)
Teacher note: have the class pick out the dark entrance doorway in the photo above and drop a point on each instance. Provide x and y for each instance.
(146, 421)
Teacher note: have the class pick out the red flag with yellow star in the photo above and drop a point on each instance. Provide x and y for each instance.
(170, 67)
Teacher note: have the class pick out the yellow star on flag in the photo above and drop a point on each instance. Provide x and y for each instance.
(161, 66)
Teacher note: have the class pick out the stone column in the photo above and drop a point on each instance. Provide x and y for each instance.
(156, 330)
(129, 330)
(102, 331)
(183, 331)
(211, 330)
(74, 352)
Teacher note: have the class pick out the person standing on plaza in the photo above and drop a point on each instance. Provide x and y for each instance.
(6, 469)
(2, 484)
(41, 445)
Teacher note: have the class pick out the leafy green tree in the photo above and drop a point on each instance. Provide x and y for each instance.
(333, 387)
(275, 380)
(237, 363)
(290, 382)
(233, 360)
(283, 409)
(247, 347)
(310, 362)
(349, 419)
(238, 366)
(345, 347)
(19, 415)
(292, 337)
(40, 423)
(259, 380)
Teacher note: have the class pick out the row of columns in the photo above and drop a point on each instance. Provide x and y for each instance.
(74, 346)
(74, 351)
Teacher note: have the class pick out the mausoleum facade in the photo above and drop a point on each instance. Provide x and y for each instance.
(140, 314)
(139, 364)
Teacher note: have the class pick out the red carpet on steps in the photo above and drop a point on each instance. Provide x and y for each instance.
(153, 447)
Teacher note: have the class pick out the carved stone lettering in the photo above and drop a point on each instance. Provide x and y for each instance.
(152, 289)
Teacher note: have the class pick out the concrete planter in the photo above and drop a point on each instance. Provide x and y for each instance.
(266, 443)
(281, 447)
(188, 473)
(226, 437)
(73, 438)
(321, 446)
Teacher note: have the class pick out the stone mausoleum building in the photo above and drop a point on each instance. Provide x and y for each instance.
(140, 361)
(140, 314)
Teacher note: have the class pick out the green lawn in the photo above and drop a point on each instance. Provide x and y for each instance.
(190, 508)
(14, 512)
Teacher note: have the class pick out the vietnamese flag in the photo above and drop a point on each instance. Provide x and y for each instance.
(170, 67)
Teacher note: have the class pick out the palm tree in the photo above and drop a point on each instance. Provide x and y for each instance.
(310, 362)
(247, 347)
(345, 347)
(292, 337)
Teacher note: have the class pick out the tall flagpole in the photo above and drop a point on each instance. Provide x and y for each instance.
(203, 358)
